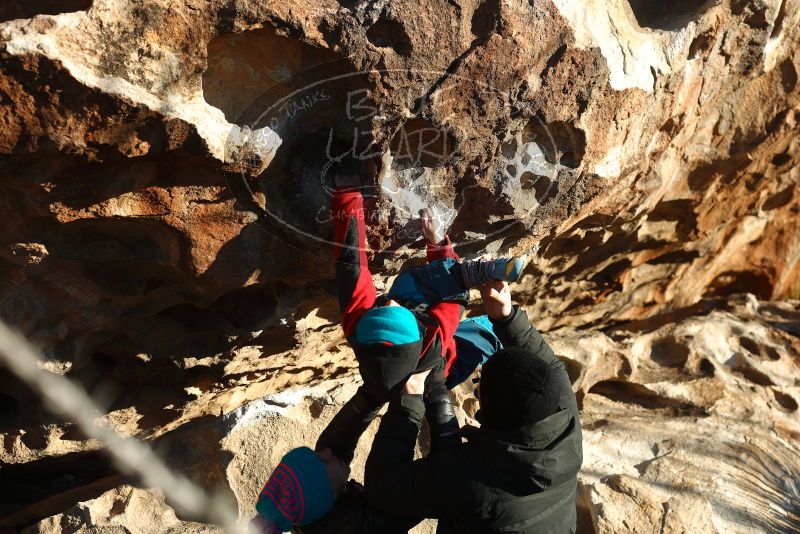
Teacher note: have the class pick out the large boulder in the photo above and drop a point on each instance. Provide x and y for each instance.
(164, 191)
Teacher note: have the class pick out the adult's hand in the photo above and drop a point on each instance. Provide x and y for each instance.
(415, 385)
(496, 299)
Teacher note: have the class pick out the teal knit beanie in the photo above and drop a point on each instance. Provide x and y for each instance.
(388, 324)
(298, 492)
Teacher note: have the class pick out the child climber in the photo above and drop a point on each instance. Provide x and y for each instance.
(390, 343)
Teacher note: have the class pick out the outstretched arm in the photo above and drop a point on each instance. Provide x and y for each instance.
(444, 314)
(353, 279)
(514, 329)
(511, 324)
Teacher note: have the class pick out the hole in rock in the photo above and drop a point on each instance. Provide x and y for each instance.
(788, 75)
(117, 240)
(104, 372)
(193, 318)
(704, 176)
(754, 375)
(755, 13)
(701, 45)
(669, 353)
(630, 393)
(749, 345)
(781, 159)
(609, 276)
(298, 185)
(552, 61)
(104, 361)
(705, 368)
(485, 18)
(671, 210)
(731, 282)
(596, 220)
(579, 303)
(660, 15)
(528, 179)
(676, 256)
(560, 142)
(787, 402)
(509, 149)
(572, 245)
(25, 9)
(390, 33)
(544, 188)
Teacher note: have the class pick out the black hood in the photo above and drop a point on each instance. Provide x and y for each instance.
(386, 367)
(534, 457)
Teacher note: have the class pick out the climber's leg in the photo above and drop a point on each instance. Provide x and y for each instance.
(353, 279)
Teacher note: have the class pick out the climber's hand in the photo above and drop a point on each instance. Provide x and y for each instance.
(496, 299)
(431, 226)
(415, 385)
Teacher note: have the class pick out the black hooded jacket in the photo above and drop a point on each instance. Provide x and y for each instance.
(516, 482)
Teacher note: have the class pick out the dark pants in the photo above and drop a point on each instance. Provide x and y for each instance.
(343, 432)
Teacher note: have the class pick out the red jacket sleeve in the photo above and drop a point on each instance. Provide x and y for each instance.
(441, 250)
(446, 314)
(353, 279)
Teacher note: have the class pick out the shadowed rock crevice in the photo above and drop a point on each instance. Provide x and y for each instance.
(25, 9)
(486, 18)
(669, 353)
(786, 401)
(389, 32)
(639, 395)
(35, 481)
(9, 410)
(660, 15)
(559, 142)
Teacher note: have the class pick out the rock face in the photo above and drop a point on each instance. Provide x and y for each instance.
(165, 235)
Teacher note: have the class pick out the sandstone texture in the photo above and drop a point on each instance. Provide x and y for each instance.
(165, 233)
